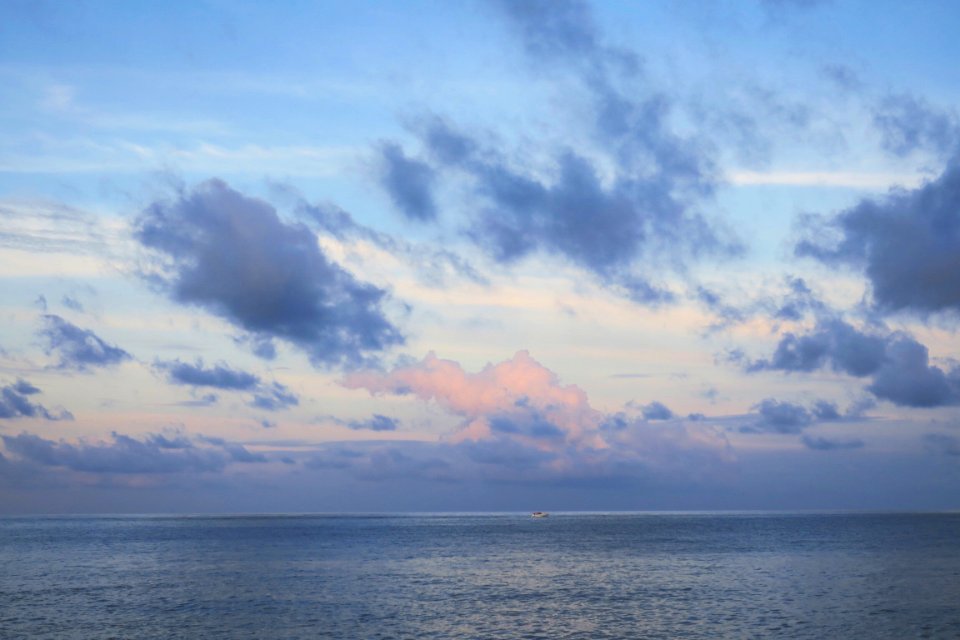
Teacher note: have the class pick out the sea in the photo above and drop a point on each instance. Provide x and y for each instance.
(496, 575)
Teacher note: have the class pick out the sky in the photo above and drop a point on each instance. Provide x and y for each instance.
(501, 255)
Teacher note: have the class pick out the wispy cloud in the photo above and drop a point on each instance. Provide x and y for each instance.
(77, 348)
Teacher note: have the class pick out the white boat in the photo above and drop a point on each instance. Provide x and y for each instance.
(539, 514)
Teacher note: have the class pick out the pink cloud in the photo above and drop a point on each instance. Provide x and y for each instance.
(519, 398)
(520, 401)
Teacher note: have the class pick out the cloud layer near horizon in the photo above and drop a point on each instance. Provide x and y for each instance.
(517, 412)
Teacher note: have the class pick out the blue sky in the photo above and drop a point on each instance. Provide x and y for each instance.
(491, 255)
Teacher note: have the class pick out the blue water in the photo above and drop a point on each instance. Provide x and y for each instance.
(482, 576)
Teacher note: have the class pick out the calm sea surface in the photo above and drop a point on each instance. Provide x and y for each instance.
(482, 576)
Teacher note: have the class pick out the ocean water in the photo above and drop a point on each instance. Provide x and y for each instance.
(588, 576)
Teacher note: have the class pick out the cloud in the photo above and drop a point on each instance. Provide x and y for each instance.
(520, 392)
(908, 379)
(409, 183)
(376, 423)
(72, 303)
(519, 410)
(794, 304)
(775, 416)
(274, 397)
(726, 314)
(378, 462)
(45, 226)
(656, 411)
(206, 400)
(78, 349)
(825, 411)
(233, 256)
(433, 265)
(219, 376)
(269, 397)
(261, 346)
(798, 301)
(833, 341)
(239, 453)
(779, 417)
(907, 124)
(154, 454)
(625, 207)
(551, 30)
(907, 244)
(826, 444)
(15, 403)
(606, 229)
(628, 113)
(898, 365)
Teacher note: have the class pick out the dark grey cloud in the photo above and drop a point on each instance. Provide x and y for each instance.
(219, 376)
(818, 443)
(334, 457)
(15, 403)
(239, 453)
(616, 227)
(409, 182)
(899, 366)
(528, 422)
(274, 397)
(799, 301)
(267, 396)
(259, 345)
(907, 124)
(907, 244)
(656, 411)
(907, 378)
(376, 423)
(605, 229)
(775, 416)
(724, 313)
(616, 422)
(824, 410)
(154, 454)
(832, 342)
(628, 112)
(233, 256)
(78, 349)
